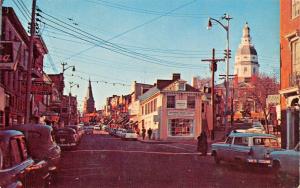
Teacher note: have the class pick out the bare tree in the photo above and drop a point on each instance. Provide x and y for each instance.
(258, 90)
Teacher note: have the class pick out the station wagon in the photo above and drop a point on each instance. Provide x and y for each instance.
(250, 148)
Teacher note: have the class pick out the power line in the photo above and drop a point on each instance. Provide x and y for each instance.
(115, 48)
(138, 26)
(144, 11)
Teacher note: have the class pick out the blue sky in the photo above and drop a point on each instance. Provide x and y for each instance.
(178, 40)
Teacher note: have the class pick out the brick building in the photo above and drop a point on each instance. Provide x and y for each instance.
(290, 70)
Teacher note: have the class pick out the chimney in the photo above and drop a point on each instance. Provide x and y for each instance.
(176, 76)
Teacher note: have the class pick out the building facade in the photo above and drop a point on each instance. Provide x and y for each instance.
(290, 71)
(246, 59)
(172, 109)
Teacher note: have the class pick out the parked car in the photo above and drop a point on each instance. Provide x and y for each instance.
(120, 132)
(79, 130)
(17, 168)
(41, 144)
(250, 148)
(256, 127)
(88, 129)
(129, 134)
(112, 131)
(287, 161)
(97, 127)
(66, 137)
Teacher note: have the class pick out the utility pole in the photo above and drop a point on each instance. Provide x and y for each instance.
(1, 2)
(213, 68)
(29, 64)
(230, 77)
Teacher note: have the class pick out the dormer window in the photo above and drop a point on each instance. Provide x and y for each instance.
(181, 86)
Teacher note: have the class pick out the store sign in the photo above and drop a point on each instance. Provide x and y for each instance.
(273, 99)
(8, 55)
(181, 104)
(181, 113)
(41, 88)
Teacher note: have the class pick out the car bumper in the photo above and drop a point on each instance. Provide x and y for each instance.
(259, 161)
(67, 145)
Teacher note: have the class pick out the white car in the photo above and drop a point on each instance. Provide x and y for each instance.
(129, 134)
(120, 132)
(287, 161)
(251, 148)
(97, 127)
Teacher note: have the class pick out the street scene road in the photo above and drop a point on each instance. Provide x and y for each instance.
(105, 161)
(149, 93)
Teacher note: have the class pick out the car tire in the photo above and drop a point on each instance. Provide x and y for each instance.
(216, 158)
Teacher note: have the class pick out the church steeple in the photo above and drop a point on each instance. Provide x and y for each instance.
(89, 103)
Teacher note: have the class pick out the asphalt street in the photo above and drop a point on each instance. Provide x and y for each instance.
(105, 161)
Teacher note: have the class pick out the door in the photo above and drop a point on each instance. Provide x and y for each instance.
(225, 148)
(240, 149)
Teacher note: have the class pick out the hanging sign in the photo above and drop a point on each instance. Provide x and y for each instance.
(8, 55)
(41, 88)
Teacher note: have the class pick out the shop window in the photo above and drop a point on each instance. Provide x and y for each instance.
(170, 101)
(295, 8)
(191, 101)
(181, 127)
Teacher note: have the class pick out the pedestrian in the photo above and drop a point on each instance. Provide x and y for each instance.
(202, 143)
(137, 131)
(149, 133)
(143, 133)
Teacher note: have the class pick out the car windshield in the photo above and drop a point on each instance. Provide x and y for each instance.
(267, 142)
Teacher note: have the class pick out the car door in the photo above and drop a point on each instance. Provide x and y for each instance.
(240, 149)
(293, 161)
(224, 149)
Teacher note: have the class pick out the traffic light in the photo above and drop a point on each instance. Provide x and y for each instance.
(213, 67)
(229, 53)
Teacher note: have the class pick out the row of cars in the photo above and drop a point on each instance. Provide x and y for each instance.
(125, 134)
(257, 148)
(29, 156)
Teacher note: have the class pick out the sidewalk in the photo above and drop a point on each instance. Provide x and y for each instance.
(219, 136)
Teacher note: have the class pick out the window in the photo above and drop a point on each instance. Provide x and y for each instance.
(295, 8)
(191, 101)
(142, 110)
(180, 127)
(181, 86)
(245, 69)
(155, 104)
(170, 101)
(23, 148)
(242, 141)
(267, 142)
(15, 152)
(296, 55)
(228, 140)
(254, 70)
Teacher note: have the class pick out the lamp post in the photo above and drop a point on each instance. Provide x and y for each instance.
(63, 71)
(72, 84)
(227, 51)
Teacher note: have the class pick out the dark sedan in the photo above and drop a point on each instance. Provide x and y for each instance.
(17, 168)
(66, 137)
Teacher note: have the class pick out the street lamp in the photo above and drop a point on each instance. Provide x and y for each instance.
(72, 84)
(63, 70)
(71, 66)
(227, 51)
